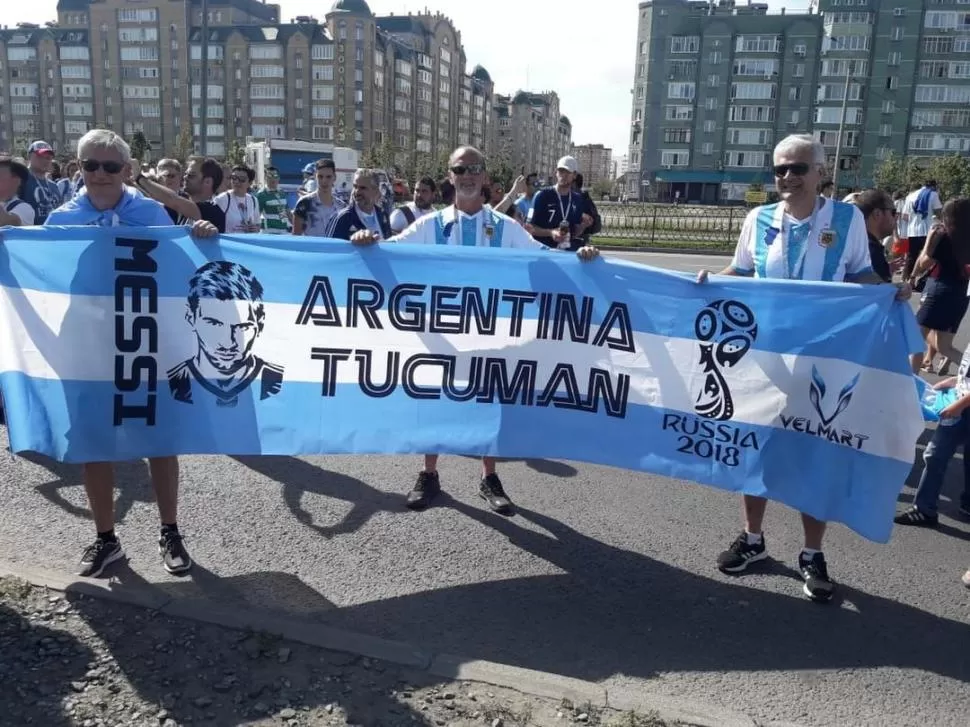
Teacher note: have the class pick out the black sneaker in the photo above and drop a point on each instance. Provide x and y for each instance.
(741, 554)
(964, 509)
(99, 555)
(818, 586)
(175, 557)
(425, 490)
(915, 516)
(491, 491)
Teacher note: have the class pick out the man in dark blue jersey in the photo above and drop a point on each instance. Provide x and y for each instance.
(557, 217)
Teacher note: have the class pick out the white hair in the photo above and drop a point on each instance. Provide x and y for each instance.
(802, 142)
(369, 174)
(104, 139)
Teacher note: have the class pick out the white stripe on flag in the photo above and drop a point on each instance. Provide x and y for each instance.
(664, 372)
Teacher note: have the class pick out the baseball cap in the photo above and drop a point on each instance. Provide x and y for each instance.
(40, 147)
(310, 169)
(569, 164)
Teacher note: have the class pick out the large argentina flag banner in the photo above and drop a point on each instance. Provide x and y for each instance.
(125, 343)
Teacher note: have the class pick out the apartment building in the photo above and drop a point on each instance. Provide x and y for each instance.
(349, 79)
(907, 64)
(595, 162)
(717, 84)
(530, 133)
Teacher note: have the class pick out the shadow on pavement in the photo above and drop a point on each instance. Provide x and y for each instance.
(298, 477)
(198, 672)
(35, 685)
(133, 485)
(617, 612)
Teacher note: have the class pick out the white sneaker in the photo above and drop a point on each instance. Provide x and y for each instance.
(966, 579)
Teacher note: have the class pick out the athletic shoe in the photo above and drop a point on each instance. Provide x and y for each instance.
(490, 489)
(916, 517)
(175, 557)
(818, 586)
(98, 556)
(425, 489)
(741, 554)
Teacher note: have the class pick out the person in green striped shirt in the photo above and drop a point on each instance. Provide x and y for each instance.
(272, 205)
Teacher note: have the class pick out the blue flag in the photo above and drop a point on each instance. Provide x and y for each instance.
(134, 342)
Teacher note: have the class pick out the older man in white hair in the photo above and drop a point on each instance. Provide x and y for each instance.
(468, 223)
(105, 201)
(803, 237)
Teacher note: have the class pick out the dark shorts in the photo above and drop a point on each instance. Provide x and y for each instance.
(943, 307)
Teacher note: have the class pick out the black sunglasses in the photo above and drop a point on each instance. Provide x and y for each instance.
(799, 169)
(460, 169)
(93, 165)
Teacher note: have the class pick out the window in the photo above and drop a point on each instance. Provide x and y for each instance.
(755, 67)
(76, 90)
(677, 136)
(707, 148)
(266, 51)
(322, 112)
(445, 55)
(322, 133)
(833, 115)
(322, 72)
(267, 110)
(710, 127)
(795, 93)
(844, 67)
(215, 52)
(139, 53)
(899, 12)
(679, 113)
(894, 58)
(710, 104)
(79, 109)
(885, 130)
(266, 71)
(892, 83)
(402, 67)
(680, 90)
(132, 15)
(138, 35)
(794, 118)
(21, 54)
(747, 159)
(897, 34)
(425, 77)
(757, 44)
(75, 71)
(752, 90)
(323, 93)
(942, 94)
(685, 44)
(140, 92)
(714, 81)
(846, 42)
(798, 70)
(682, 69)
(715, 57)
(322, 52)
(678, 158)
(751, 113)
(889, 106)
(74, 53)
(749, 137)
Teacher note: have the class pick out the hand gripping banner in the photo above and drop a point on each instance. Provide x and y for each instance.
(120, 344)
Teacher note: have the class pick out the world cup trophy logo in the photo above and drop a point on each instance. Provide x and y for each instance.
(726, 330)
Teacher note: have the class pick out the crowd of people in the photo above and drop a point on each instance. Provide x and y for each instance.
(872, 229)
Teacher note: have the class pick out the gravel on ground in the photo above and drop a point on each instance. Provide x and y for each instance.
(73, 660)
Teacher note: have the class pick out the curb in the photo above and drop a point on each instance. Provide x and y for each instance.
(667, 250)
(449, 666)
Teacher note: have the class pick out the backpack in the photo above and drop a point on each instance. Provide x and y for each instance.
(921, 205)
(408, 214)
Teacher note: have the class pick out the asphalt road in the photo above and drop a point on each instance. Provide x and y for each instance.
(603, 574)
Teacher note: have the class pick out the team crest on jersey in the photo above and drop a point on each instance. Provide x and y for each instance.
(489, 232)
(826, 238)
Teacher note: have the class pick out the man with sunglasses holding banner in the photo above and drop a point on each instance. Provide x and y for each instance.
(106, 201)
(803, 237)
(468, 223)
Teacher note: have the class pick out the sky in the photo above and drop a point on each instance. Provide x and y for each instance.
(537, 45)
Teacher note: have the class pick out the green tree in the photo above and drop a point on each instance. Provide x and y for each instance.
(600, 188)
(236, 154)
(381, 156)
(890, 175)
(184, 145)
(914, 173)
(139, 146)
(952, 175)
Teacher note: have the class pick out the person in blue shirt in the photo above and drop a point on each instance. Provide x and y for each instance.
(40, 192)
(106, 201)
(557, 218)
(365, 212)
(524, 203)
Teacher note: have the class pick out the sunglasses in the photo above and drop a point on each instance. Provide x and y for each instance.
(799, 169)
(239, 179)
(93, 165)
(461, 169)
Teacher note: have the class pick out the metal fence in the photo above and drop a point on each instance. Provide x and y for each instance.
(669, 225)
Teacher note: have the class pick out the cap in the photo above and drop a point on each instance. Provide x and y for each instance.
(569, 164)
(40, 147)
(310, 169)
